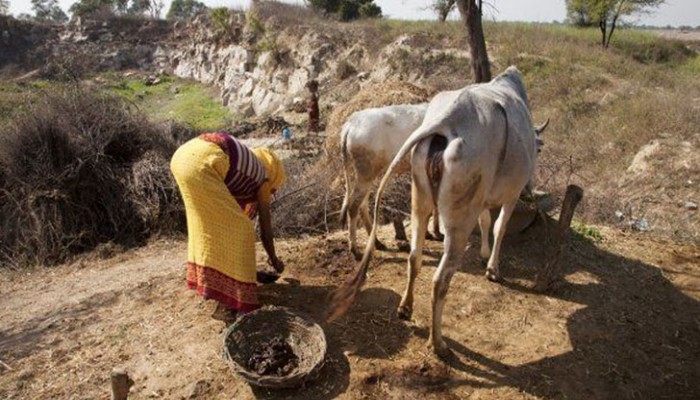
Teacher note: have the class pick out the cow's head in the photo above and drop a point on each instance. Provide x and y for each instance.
(538, 135)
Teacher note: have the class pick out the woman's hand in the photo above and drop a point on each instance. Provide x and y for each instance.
(276, 263)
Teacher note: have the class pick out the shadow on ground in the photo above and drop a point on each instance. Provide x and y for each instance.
(638, 336)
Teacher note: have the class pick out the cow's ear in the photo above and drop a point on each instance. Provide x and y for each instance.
(541, 128)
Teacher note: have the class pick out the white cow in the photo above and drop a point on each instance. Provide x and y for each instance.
(476, 149)
(369, 140)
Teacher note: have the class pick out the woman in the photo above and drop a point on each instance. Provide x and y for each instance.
(224, 184)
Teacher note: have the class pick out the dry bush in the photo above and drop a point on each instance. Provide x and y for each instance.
(77, 170)
(311, 199)
(284, 15)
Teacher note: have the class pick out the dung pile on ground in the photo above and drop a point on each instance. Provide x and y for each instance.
(376, 95)
(275, 357)
(77, 170)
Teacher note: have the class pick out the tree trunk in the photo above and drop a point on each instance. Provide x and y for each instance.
(603, 28)
(471, 15)
(612, 29)
(558, 241)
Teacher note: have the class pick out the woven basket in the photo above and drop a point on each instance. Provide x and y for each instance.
(306, 339)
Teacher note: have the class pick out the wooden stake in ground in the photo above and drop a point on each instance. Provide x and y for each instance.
(120, 384)
(552, 269)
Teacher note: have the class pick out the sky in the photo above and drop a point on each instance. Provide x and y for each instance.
(673, 12)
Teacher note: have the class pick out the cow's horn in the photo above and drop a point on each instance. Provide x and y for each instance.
(541, 128)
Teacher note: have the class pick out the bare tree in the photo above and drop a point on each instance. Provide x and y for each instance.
(442, 8)
(156, 8)
(471, 11)
(4, 7)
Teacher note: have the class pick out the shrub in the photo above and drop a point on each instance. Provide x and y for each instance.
(78, 170)
(347, 10)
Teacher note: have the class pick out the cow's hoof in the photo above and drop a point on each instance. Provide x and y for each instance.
(493, 276)
(357, 254)
(404, 313)
(403, 246)
(436, 237)
(380, 246)
(440, 349)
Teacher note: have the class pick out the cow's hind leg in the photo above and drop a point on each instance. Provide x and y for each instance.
(359, 193)
(485, 227)
(421, 204)
(499, 230)
(368, 224)
(401, 238)
(435, 234)
(455, 240)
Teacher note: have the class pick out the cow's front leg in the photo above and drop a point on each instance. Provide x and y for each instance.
(420, 211)
(455, 240)
(499, 229)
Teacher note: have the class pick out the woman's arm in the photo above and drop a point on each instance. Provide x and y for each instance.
(266, 235)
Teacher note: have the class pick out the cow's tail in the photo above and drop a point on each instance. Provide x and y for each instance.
(344, 296)
(346, 172)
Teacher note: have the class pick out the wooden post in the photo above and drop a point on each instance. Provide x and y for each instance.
(558, 243)
(120, 384)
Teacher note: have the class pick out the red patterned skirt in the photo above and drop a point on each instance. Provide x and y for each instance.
(212, 284)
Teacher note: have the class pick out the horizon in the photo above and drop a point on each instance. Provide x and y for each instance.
(674, 13)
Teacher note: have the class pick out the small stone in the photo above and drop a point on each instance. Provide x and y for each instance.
(198, 389)
(619, 215)
(641, 225)
(689, 205)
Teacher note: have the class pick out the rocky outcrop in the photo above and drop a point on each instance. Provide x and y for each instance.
(260, 67)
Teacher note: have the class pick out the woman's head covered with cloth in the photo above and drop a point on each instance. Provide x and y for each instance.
(274, 171)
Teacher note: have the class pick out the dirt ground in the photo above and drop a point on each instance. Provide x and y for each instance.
(624, 324)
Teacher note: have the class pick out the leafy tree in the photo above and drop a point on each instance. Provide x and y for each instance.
(347, 10)
(4, 7)
(146, 7)
(442, 8)
(48, 10)
(370, 10)
(606, 14)
(182, 9)
(87, 7)
(578, 14)
(139, 7)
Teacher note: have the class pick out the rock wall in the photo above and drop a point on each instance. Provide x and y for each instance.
(260, 70)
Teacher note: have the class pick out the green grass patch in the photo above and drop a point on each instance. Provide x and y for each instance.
(14, 96)
(188, 102)
(586, 232)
